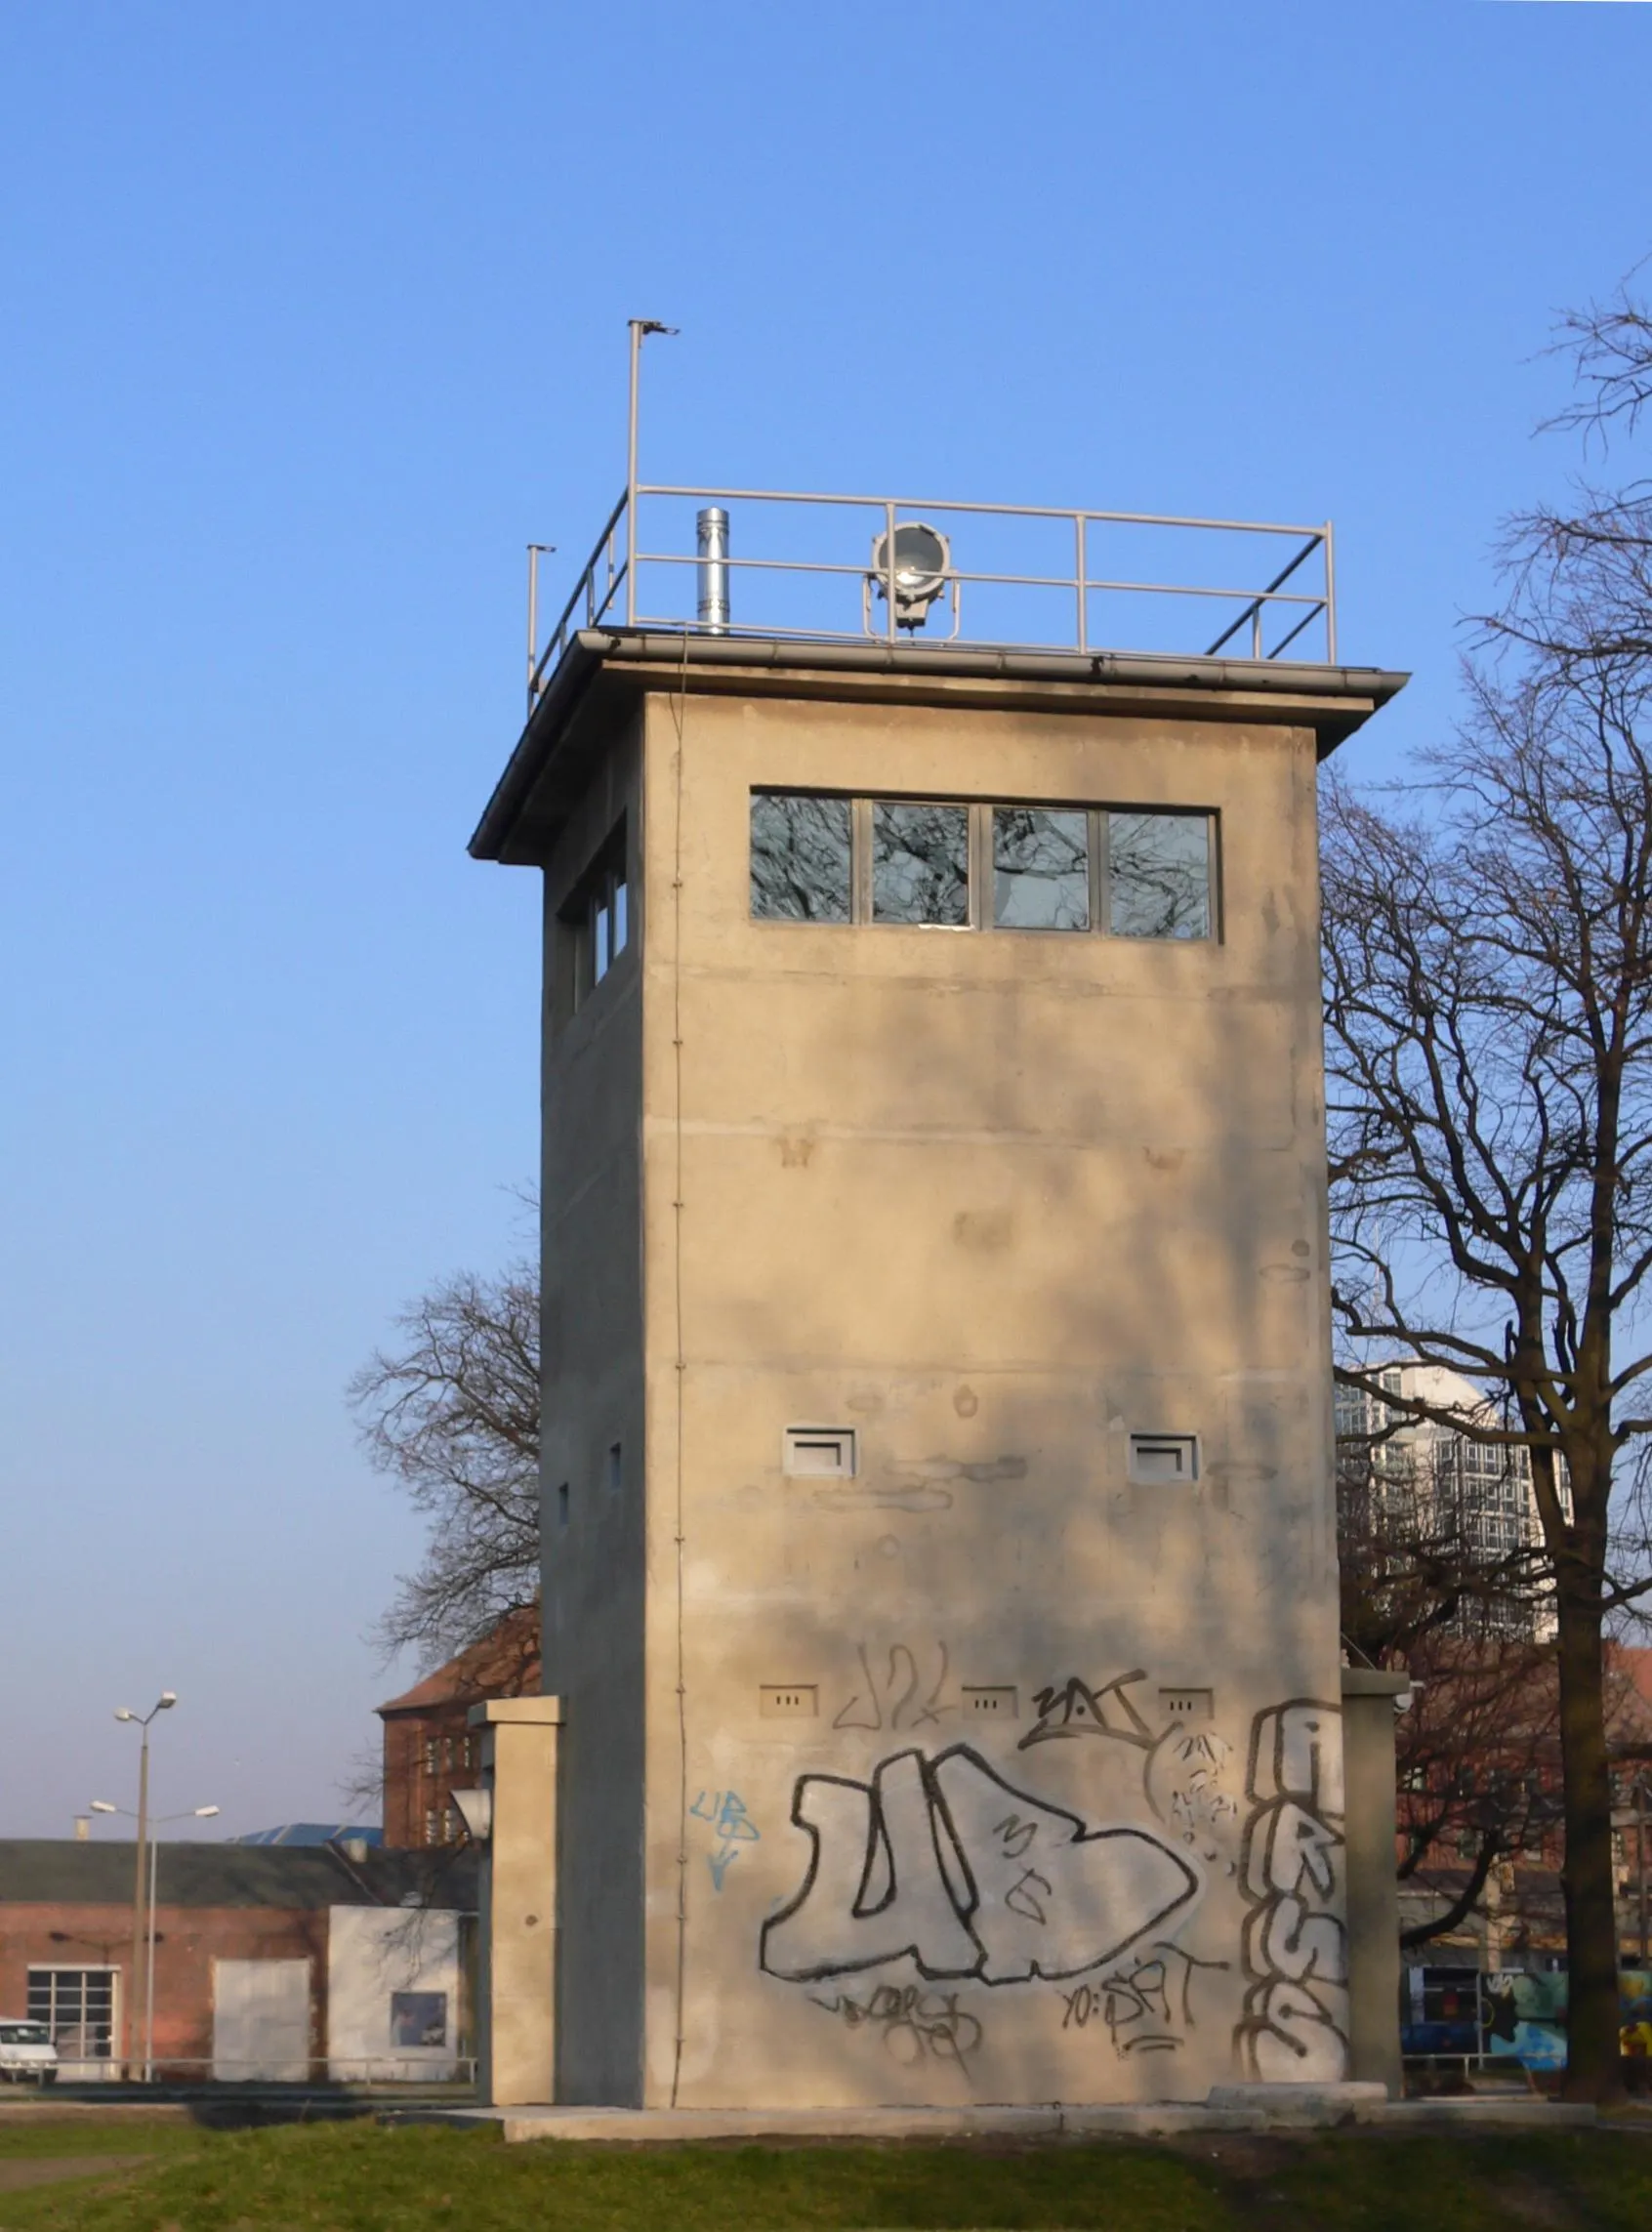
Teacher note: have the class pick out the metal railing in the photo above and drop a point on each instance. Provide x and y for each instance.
(1061, 597)
(423, 2067)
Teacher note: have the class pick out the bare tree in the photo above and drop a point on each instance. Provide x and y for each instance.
(1476, 1750)
(1488, 1028)
(452, 1412)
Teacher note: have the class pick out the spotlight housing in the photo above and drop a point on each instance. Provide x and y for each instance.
(923, 566)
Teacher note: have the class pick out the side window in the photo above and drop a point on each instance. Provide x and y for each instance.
(597, 918)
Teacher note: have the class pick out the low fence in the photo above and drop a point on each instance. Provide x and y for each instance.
(362, 2073)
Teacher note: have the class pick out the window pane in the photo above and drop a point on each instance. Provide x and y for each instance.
(601, 951)
(1039, 869)
(800, 858)
(1159, 869)
(920, 863)
(621, 915)
(418, 2018)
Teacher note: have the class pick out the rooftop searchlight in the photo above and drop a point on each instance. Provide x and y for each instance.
(921, 570)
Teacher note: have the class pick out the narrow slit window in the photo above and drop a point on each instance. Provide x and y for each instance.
(1187, 1703)
(788, 1700)
(823, 1452)
(1163, 1459)
(800, 850)
(562, 1505)
(615, 1467)
(991, 1702)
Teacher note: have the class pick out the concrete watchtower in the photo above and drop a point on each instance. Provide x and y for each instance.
(939, 1552)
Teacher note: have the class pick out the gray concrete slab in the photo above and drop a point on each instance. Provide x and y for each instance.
(1293, 2108)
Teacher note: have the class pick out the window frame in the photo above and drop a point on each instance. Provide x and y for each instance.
(981, 856)
(602, 899)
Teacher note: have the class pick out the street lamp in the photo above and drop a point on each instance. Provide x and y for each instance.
(163, 1704)
(195, 1813)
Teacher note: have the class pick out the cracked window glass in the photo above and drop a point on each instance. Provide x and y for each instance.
(1159, 875)
(920, 863)
(800, 858)
(1040, 868)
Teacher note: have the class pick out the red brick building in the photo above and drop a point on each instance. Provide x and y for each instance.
(430, 1749)
(244, 1962)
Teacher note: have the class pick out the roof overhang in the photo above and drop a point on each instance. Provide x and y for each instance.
(604, 668)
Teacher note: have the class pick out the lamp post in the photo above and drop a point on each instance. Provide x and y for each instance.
(195, 1813)
(163, 1704)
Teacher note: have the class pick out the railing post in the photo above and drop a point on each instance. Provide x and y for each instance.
(1082, 599)
(889, 563)
(1330, 597)
(636, 325)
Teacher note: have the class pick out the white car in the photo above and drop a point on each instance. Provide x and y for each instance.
(26, 2052)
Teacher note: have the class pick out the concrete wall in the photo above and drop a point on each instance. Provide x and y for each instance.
(374, 1953)
(1064, 1820)
(590, 1190)
(996, 1201)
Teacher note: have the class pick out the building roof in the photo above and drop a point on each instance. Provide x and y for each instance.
(604, 668)
(504, 1663)
(312, 1833)
(41, 1870)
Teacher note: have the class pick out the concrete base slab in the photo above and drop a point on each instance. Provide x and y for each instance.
(1240, 2108)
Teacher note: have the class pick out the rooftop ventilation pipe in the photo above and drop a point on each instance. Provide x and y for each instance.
(711, 528)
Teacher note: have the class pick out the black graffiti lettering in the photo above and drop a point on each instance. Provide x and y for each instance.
(1077, 1710)
(1294, 2019)
(913, 2024)
(898, 1699)
(1146, 2005)
(1016, 1833)
(1022, 1901)
(914, 1862)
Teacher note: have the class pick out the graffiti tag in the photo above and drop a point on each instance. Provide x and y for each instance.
(901, 1698)
(731, 1824)
(1147, 2007)
(1077, 1710)
(942, 1860)
(914, 2025)
(1294, 2023)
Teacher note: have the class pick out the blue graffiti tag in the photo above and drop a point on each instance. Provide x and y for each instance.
(730, 1823)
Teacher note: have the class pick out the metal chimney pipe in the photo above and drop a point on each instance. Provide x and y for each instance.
(710, 528)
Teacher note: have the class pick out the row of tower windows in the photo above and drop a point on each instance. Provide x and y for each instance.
(1131, 874)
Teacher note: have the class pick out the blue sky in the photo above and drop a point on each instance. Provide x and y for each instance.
(313, 317)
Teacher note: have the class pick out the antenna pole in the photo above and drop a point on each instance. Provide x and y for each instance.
(533, 619)
(639, 326)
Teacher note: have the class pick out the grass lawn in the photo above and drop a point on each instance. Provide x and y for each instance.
(357, 2178)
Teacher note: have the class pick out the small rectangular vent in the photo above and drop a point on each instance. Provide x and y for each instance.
(992, 1703)
(788, 1700)
(823, 1452)
(1160, 1459)
(1187, 1703)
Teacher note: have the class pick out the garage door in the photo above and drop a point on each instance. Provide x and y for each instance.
(260, 2021)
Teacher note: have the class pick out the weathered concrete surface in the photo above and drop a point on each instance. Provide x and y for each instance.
(1271, 2108)
(517, 1970)
(1063, 1814)
(1374, 1960)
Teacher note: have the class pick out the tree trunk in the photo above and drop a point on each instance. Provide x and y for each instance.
(1593, 2069)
